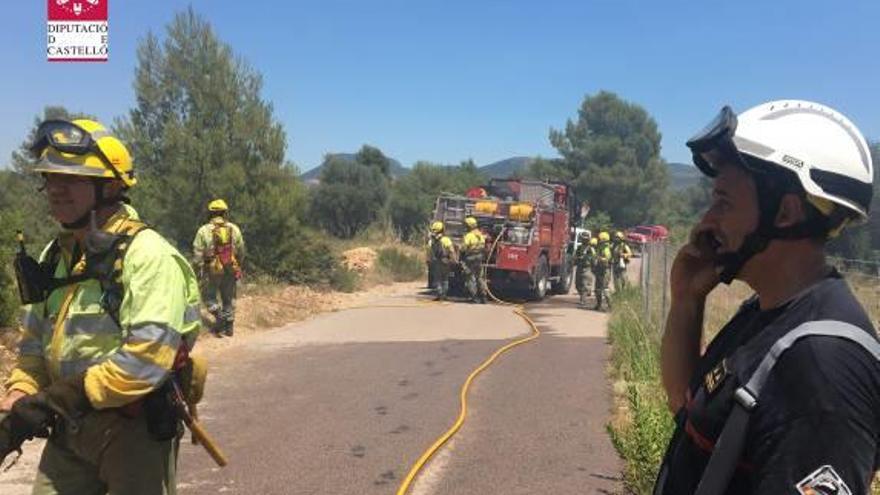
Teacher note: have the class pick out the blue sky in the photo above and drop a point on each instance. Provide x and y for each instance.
(448, 80)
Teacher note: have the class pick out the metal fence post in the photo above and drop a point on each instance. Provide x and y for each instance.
(648, 282)
(665, 282)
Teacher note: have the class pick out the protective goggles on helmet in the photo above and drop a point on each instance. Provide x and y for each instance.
(717, 138)
(67, 137)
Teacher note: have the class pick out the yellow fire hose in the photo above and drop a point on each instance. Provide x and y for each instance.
(519, 311)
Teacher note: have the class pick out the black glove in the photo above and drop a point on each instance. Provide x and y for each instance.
(34, 415)
(30, 417)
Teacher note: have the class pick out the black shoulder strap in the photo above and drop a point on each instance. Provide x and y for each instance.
(111, 281)
(729, 446)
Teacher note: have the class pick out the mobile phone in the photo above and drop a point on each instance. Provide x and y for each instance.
(707, 243)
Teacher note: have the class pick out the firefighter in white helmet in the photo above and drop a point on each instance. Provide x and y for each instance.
(785, 397)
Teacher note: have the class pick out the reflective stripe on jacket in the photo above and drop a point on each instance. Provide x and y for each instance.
(159, 311)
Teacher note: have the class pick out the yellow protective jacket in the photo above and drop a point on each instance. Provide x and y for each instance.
(474, 242)
(445, 252)
(620, 250)
(603, 256)
(203, 244)
(158, 313)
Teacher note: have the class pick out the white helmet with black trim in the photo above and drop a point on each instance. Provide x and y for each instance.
(811, 143)
(821, 146)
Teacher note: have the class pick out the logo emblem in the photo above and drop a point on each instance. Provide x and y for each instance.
(795, 162)
(77, 8)
(823, 481)
(77, 31)
(715, 377)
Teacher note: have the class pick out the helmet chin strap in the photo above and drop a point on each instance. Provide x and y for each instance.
(731, 263)
(769, 201)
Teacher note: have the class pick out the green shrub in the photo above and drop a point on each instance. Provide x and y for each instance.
(402, 267)
(344, 280)
(635, 358)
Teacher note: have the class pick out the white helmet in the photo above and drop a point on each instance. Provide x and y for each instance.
(822, 147)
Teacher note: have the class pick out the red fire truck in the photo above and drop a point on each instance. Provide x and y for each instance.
(533, 222)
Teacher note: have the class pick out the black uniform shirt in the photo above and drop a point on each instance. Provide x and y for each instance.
(818, 416)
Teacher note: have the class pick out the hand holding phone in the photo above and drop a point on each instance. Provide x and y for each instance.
(694, 271)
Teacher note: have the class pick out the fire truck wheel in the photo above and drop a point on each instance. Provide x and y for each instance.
(563, 285)
(539, 290)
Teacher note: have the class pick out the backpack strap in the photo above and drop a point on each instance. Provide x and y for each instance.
(110, 273)
(730, 443)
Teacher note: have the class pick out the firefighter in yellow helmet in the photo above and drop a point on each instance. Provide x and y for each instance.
(110, 314)
(473, 246)
(620, 256)
(442, 256)
(584, 258)
(601, 269)
(218, 250)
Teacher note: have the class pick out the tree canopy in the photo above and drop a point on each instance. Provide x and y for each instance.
(200, 130)
(611, 154)
(413, 197)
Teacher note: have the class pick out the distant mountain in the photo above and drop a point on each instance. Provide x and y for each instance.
(313, 176)
(683, 175)
(505, 168)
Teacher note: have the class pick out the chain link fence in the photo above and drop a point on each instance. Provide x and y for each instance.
(863, 277)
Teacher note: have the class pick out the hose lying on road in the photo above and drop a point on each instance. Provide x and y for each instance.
(519, 310)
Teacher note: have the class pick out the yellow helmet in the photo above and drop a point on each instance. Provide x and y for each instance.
(604, 237)
(594, 241)
(218, 205)
(618, 235)
(82, 147)
(471, 222)
(437, 227)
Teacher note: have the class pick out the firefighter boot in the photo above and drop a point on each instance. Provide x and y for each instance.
(583, 299)
(217, 328)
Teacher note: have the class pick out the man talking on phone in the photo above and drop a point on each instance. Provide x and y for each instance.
(786, 398)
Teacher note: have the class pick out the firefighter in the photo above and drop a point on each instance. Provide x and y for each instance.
(443, 257)
(473, 246)
(785, 398)
(620, 257)
(218, 250)
(110, 313)
(584, 259)
(601, 269)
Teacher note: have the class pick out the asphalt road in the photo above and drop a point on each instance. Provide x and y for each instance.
(345, 403)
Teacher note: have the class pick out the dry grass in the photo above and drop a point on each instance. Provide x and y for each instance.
(360, 259)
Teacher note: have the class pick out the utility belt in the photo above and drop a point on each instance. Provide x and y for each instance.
(214, 267)
(159, 408)
(443, 260)
(473, 257)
